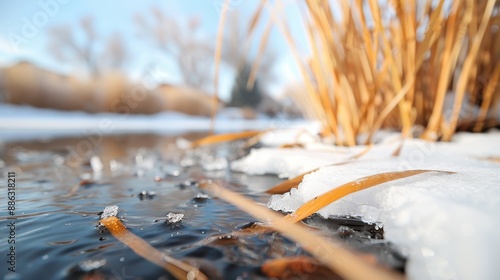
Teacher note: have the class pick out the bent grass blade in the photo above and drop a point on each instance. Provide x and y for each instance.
(345, 263)
(178, 269)
(227, 137)
(287, 185)
(312, 206)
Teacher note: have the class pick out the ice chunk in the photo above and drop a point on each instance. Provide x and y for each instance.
(86, 176)
(201, 196)
(145, 160)
(188, 183)
(117, 166)
(96, 164)
(109, 211)
(172, 170)
(89, 265)
(173, 218)
(182, 143)
(218, 163)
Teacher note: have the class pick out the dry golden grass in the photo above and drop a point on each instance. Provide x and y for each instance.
(329, 197)
(227, 137)
(340, 260)
(372, 65)
(287, 185)
(178, 269)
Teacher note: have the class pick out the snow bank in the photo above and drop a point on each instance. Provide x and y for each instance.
(446, 224)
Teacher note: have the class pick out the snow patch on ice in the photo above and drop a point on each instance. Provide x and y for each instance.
(285, 162)
(445, 223)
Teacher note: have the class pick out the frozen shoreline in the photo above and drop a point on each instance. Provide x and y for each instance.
(26, 123)
(445, 224)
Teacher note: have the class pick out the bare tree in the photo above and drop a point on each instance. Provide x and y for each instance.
(64, 46)
(192, 53)
(237, 53)
(115, 53)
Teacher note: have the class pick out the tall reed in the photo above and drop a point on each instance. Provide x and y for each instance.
(397, 64)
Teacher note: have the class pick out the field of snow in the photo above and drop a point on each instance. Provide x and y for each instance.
(446, 224)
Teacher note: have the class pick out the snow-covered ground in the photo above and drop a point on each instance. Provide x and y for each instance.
(26, 122)
(446, 224)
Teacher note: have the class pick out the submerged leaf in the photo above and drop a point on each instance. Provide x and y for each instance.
(297, 267)
(219, 138)
(312, 206)
(175, 267)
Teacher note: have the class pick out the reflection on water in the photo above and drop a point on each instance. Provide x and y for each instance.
(63, 185)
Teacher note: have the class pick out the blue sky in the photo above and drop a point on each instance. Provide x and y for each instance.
(24, 26)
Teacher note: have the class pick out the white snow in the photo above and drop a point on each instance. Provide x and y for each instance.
(90, 265)
(447, 224)
(19, 122)
(96, 164)
(109, 211)
(201, 196)
(173, 218)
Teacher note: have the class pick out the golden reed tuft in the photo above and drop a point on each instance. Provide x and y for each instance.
(396, 64)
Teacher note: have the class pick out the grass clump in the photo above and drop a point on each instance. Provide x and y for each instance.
(397, 64)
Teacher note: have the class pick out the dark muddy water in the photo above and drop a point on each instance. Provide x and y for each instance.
(63, 184)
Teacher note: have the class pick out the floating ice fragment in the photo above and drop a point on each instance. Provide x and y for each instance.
(85, 176)
(188, 183)
(158, 178)
(109, 211)
(173, 218)
(201, 196)
(89, 265)
(187, 161)
(172, 170)
(182, 143)
(218, 163)
(96, 164)
(56, 159)
(145, 160)
(117, 166)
